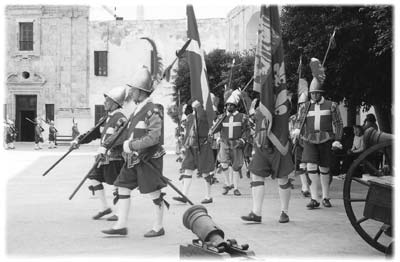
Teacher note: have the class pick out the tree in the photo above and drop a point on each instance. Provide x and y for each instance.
(359, 68)
(219, 69)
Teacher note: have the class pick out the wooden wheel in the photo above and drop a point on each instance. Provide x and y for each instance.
(377, 233)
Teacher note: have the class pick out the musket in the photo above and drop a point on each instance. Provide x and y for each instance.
(247, 85)
(120, 132)
(29, 120)
(101, 121)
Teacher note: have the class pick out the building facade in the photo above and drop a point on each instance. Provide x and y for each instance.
(59, 63)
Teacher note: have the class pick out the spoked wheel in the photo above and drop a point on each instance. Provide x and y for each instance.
(357, 201)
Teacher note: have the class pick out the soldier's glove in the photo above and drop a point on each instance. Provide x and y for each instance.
(296, 133)
(337, 145)
(196, 104)
(239, 143)
(126, 147)
(74, 144)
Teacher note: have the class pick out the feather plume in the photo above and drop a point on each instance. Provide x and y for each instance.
(157, 62)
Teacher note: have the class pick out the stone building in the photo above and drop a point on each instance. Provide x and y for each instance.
(47, 64)
(59, 63)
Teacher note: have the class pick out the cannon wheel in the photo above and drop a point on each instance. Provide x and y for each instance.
(357, 223)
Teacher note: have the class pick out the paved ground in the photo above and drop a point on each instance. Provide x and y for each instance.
(42, 223)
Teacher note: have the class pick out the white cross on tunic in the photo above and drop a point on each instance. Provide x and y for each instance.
(230, 126)
(318, 113)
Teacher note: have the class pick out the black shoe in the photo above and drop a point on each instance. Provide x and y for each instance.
(251, 217)
(326, 202)
(226, 190)
(121, 231)
(102, 213)
(284, 218)
(180, 199)
(305, 193)
(313, 204)
(236, 192)
(112, 218)
(153, 233)
(207, 201)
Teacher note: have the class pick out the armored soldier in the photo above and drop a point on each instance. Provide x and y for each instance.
(111, 163)
(268, 161)
(300, 167)
(52, 135)
(234, 131)
(143, 154)
(198, 151)
(319, 124)
(38, 134)
(10, 133)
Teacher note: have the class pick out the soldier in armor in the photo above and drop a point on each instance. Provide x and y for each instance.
(38, 134)
(268, 161)
(300, 167)
(319, 124)
(52, 135)
(10, 133)
(111, 163)
(234, 132)
(143, 153)
(198, 151)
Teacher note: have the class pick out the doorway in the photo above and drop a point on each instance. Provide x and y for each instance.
(25, 106)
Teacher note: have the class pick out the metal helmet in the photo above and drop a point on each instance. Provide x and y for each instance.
(142, 80)
(302, 91)
(117, 94)
(316, 86)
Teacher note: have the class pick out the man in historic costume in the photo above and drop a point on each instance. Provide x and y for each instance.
(52, 135)
(75, 130)
(143, 152)
(319, 124)
(300, 167)
(10, 133)
(111, 163)
(268, 161)
(234, 132)
(198, 151)
(38, 134)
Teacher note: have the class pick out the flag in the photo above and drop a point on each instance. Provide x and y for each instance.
(270, 78)
(197, 66)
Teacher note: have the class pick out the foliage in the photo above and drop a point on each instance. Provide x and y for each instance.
(359, 68)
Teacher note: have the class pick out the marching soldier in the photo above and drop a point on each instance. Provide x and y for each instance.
(234, 132)
(38, 134)
(268, 161)
(111, 163)
(198, 151)
(300, 167)
(319, 124)
(11, 134)
(143, 152)
(52, 135)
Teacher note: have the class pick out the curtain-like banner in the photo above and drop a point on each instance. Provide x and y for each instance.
(270, 78)
(198, 71)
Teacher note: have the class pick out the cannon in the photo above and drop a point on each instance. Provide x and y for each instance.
(370, 208)
(210, 243)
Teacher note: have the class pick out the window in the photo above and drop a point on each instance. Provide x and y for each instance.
(99, 112)
(25, 36)
(100, 63)
(49, 112)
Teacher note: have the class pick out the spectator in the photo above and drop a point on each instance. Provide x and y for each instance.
(370, 121)
(75, 131)
(357, 148)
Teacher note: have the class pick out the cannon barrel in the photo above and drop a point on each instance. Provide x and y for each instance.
(373, 137)
(197, 219)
